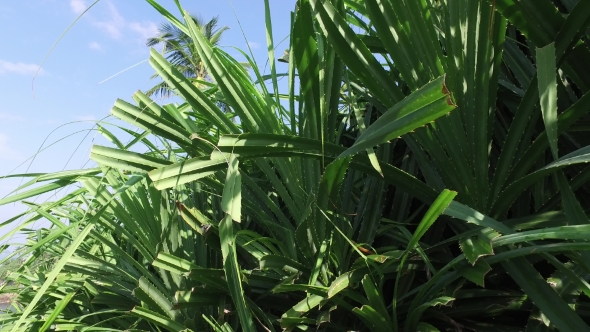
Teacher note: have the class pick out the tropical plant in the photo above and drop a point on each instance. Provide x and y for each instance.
(8, 266)
(328, 207)
(180, 51)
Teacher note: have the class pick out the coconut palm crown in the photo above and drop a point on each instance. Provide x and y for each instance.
(179, 49)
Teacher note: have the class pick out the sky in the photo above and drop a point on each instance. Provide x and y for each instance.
(101, 58)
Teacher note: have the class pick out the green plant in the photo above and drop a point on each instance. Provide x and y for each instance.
(327, 207)
(9, 266)
(180, 52)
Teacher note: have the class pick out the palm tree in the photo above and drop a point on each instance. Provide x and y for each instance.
(179, 49)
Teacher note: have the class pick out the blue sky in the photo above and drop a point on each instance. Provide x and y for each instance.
(108, 39)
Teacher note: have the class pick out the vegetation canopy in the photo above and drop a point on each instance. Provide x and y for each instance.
(424, 169)
(180, 51)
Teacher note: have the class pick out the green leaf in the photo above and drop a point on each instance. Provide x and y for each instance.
(476, 246)
(436, 209)
(185, 171)
(257, 145)
(195, 97)
(306, 58)
(319, 263)
(261, 316)
(271, 50)
(58, 267)
(146, 292)
(283, 263)
(416, 314)
(231, 201)
(345, 280)
(233, 82)
(59, 307)
(36, 191)
(198, 297)
(537, 249)
(475, 272)
(126, 160)
(355, 54)
(463, 212)
(425, 327)
(158, 125)
(565, 120)
(374, 320)
(232, 272)
(572, 30)
(577, 232)
(157, 319)
(300, 309)
(173, 263)
(110, 136)
(375, 299)
(525, 15)
(543, 296)
(418, 109)
(573, 210)
(361, 125)
(546, 73)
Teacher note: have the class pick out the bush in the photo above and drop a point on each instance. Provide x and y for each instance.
(424, 173)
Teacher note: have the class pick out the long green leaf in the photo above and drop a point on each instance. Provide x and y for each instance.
(355, 54)
(37, 191)
(232, 272)
(544, 297)
(59, 307)
(546, 73)
(157, 319)
(416, 314)
(231, 201)
(374, 320)
(421, 107)
(185, 171)
(436, 209)
(516, 188)
(58, 267)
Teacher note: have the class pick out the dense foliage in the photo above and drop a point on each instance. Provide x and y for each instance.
(425, 170)
(180, 51)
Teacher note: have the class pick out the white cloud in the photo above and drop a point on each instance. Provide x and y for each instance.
(115, 23)
(110, 21)
(253, 45)
(18, 68)
(95, 46)
(77, 6)
(144, 29)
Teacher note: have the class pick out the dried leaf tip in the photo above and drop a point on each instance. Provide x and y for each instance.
(446, 92)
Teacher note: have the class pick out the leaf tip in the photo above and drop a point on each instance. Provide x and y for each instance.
(446, 92)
